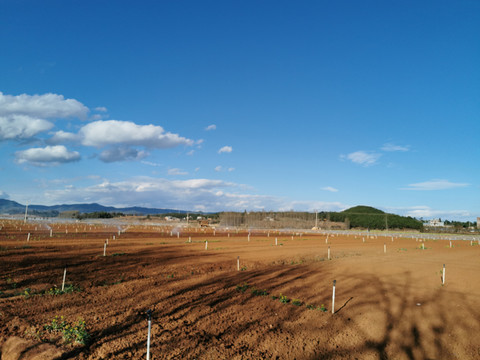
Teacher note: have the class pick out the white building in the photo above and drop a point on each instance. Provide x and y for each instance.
(435, 222)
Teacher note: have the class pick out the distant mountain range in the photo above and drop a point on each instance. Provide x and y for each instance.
(12, 207)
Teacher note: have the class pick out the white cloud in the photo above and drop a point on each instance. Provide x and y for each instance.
(231, 169)
(363, 158)
(210, 195)
(204, 194)
(426, 212)
(113, 132)
(47, 156)
(18, 126)
(313, 206)
(61, 137)
(393, 147)
(191, 152)
(4, 195)
(41, 106)
(121, 153)
(436, 184)
(329, 188)
(176, 171)
(225, 149)
(211, 127)
(218, 168)
(24, 116)
(101, 109)
(151, 163)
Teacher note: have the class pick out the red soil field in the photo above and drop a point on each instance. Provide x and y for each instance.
(389, 305)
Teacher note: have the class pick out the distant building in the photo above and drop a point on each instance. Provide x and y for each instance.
(435, 223)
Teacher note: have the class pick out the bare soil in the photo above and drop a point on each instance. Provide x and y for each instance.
(389, 305)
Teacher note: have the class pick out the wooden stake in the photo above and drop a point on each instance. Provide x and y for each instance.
(384, 248)
(206, 245)
(276, 242)
(238, 263)
(104, 249)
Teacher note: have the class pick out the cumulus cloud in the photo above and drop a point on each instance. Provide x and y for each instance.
(18, 126)
(41, 106)
(363, 158)
(436, 184)
(392, 147)
(211, 127)
(329, 188)
(206, 194)
(176, 171)
(24, 116)
(197, 194)
(225, 149)
(218, 168)
(121, 153)
(101, 109)
(113, 132)
(47, 156)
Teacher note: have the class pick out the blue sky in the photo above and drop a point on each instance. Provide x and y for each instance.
(233, 105)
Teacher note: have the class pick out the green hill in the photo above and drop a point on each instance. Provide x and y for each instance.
(361, 209)
(370, 218)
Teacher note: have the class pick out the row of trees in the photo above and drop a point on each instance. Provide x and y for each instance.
(357, 217)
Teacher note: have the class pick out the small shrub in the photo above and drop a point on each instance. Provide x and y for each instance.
(12, 283)
(76, 333)
(69, 288)
(243, 287)
(322, 308)
(297, 302)
(284, 299)
(310, 306)
(257, 292)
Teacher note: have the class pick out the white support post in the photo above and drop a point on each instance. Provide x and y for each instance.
(333, 297)
(238, 263)
(443, 275)
(149, 317)
(64, 276)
